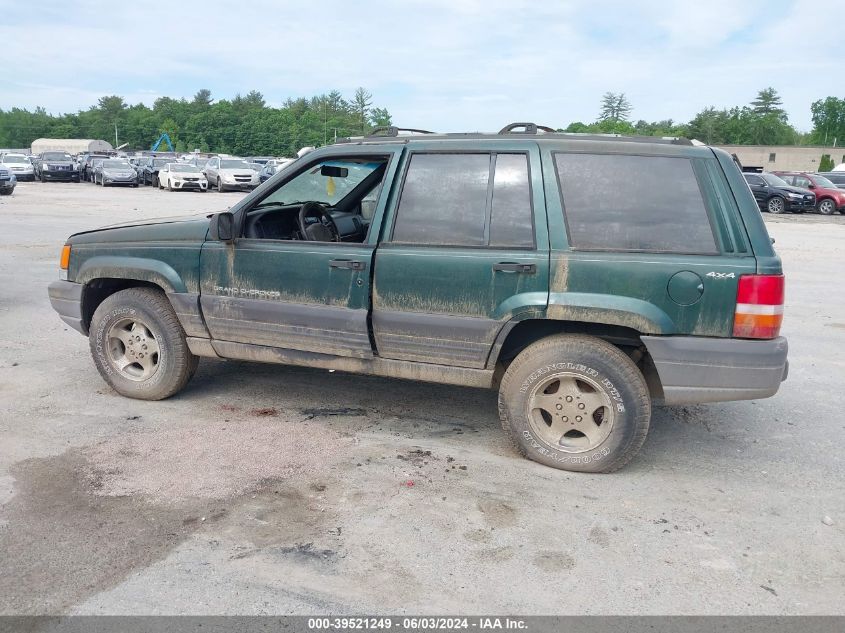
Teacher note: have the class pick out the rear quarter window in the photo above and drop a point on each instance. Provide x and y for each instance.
(633, 203)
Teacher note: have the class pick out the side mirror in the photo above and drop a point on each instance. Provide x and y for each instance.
(223, 227)
(811, 186)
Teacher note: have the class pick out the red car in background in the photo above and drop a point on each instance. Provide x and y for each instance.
(829, 197)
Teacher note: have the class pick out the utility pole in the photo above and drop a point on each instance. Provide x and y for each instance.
(115, 134)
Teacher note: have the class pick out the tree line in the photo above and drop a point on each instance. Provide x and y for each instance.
(243, 125)
(247, 125)
(761, 122)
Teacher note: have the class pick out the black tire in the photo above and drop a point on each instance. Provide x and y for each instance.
(43, 179)
(154, 181)
(6, 192)
(169, 186)
(602, 371)
(826, 206)
(76, 180)
(220, 186)
(174, 365)
(776, 205)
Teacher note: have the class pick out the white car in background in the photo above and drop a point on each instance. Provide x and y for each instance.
(178, 176)
(229, 173)
(19, 165)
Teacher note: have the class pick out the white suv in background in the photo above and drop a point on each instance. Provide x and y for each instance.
(228, 173)
(19, 165)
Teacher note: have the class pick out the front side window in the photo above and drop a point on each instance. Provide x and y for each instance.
(450, 200)
(633, 203)
(755, 180)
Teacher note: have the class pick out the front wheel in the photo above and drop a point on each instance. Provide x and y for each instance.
(826, 206)
(138, 345)
(219, 185)
(775, 205)
(576, 403)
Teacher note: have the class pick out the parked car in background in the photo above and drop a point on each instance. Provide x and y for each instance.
(115, 171)
(229, 174)
(86, 170)
(19, 165)
(836, 177)
(179, 176)
(261, 160)
(7, 181)
(775, 195)
(829, 197)
(56, 166)
(150, 168)
(266, 172)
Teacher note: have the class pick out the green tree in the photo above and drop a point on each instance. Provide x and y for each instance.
(614, 107)
(828, 121)
(826, 163)
(768, 102)
(362, 102)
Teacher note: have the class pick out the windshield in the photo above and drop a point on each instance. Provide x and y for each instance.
(821, 181)
(234, 164)
(160, 162)
(774, 181)
(117, 164)
(182, 167)
(312, 186)
(56, 156)
(9, 158)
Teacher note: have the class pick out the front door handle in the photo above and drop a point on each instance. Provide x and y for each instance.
(351, 264)
(514, 267)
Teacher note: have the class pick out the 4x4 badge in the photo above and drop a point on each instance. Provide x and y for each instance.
(715, 275)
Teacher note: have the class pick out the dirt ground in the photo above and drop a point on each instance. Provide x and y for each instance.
(267, 489)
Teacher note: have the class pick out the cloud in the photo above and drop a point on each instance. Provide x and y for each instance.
(439, 64)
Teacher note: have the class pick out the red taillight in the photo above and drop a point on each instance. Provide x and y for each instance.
(759, 306)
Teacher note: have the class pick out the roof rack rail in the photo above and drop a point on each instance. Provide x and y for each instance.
(527, 128)
(392, 130)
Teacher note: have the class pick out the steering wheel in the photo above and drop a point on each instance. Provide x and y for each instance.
(323, 230)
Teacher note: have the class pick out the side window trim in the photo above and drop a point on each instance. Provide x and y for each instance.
(488, 205)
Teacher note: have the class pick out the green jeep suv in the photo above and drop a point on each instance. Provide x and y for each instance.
(584, 277)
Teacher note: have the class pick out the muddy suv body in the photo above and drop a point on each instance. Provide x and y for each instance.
(559, 269)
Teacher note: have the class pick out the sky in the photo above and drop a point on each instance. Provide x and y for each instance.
(443, 65)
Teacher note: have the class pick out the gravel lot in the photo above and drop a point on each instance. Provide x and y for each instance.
(266, 489)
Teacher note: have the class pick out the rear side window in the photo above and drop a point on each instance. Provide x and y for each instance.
(451, 200)
(633, 203)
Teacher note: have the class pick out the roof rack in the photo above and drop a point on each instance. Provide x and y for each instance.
(527, 128)
(392, 130)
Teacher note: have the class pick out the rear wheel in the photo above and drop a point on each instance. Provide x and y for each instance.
(826, 206)
(138, 345)
(775, 205)
(576, 403)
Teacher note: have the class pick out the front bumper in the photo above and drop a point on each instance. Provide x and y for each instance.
(800, 205)
(62, 174)
(24, 174)
(695, 369)
(120, 180)
(190, 184)
(66, 299)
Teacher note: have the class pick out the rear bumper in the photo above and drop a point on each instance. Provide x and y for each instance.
(66, 299)
(695, 369)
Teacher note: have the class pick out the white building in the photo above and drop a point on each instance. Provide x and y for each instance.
(69, 145)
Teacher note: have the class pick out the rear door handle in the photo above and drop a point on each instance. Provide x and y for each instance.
(514, 267)
(351, 264)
